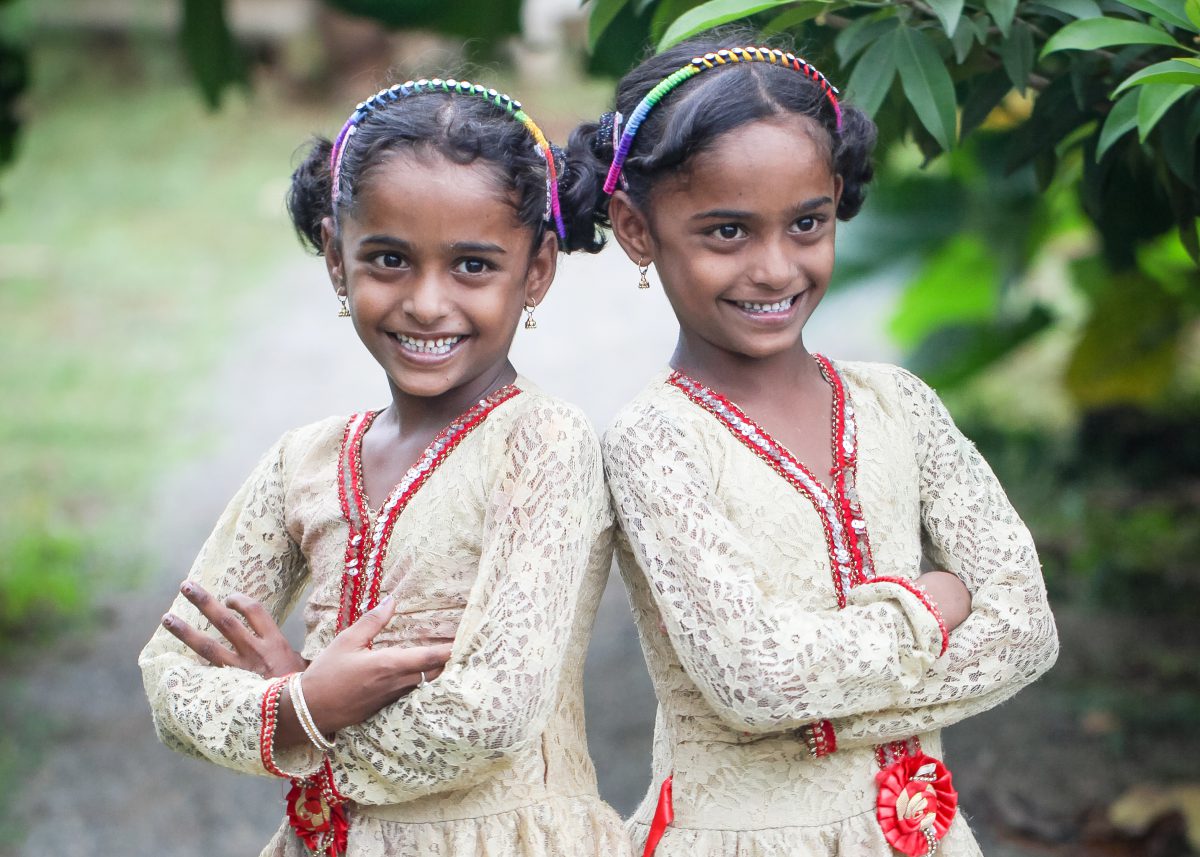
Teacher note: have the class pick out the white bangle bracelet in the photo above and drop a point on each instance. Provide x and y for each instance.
(296, 690)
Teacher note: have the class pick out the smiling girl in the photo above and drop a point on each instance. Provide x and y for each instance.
(776, 505)
(456, 541)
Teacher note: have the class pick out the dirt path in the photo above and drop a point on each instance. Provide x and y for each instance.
(107, 787)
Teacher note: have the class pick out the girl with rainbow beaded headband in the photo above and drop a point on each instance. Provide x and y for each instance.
(775, 504)
(456, 541)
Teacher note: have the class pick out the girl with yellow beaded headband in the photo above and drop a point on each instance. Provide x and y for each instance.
(775, 505)
(456, 541)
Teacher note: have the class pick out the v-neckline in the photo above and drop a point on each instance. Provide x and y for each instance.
(430, 456)
(837, 506)
(737, 420)
(370, 531)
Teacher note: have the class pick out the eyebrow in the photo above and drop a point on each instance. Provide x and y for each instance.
(456, 247)
(732, 214)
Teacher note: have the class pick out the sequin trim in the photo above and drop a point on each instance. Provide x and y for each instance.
(369, 535)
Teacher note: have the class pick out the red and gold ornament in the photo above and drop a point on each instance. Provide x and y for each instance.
(916, 804)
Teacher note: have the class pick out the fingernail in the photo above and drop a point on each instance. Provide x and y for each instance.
(186, 589)
(387, 602)
(166, 620)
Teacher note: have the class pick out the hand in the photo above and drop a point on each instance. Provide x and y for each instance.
(349, 682)
(258, 644)
(950, 594)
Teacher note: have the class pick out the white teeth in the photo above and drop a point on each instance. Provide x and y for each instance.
(428, 346)
(778, 306)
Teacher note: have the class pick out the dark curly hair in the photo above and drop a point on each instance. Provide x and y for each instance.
(462, 128)
(694, 114)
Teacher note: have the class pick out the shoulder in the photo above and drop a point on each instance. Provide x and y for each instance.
(660, 420)
(535, 417)
(894, 386)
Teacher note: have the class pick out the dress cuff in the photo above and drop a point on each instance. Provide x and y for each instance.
(921, 610)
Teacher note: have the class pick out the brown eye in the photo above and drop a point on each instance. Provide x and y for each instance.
(472, 266)
(389, 260)
(728, 231)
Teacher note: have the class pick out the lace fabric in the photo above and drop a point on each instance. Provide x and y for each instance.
(505, 549)
(732, 560)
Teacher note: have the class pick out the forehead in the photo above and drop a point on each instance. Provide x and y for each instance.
(421, 190)
(774, 160)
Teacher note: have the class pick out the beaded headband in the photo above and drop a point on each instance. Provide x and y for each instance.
(699, 64)
(510, 106)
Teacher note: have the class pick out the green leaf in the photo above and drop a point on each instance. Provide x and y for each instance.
(1155, 100)
(852, 40)
(1192, 9)
(963, 39)
(948, 12)
(1168, 11)
(927, 84)
(1183, 70)
(872, 77)
(1075, 8)
(1002, 12)
(212, 53)
(1104, 33)
(713, 14)
(1016, 53)
(942, 293)
(1120, 121)
(601, 16)
(802, 12)
(1129, 349)
(984, 94)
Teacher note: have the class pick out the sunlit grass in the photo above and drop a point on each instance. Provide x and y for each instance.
(131, 226)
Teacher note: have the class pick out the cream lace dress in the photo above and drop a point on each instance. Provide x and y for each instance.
(501, 539)
(748, 562)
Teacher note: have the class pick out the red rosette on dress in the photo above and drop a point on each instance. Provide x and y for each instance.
(321, 827)
(916, 804)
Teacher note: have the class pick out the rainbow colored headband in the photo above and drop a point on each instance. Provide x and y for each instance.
(393, 94)
(697, 65)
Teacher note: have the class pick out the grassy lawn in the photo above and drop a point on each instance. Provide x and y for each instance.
(130, 226)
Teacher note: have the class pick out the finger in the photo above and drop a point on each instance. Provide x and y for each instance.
(370, 623)
(202, 644)
(227, 623)
(417, 659)
(261, 622)
(415, 680)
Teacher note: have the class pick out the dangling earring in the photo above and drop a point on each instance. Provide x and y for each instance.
(643, 283)
(530, 324)
(344, 312)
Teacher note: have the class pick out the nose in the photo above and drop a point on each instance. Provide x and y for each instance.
(426, 301)
(773, 267)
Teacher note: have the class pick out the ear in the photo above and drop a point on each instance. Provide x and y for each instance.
(632, 229)
(542, 266)
(331, 249)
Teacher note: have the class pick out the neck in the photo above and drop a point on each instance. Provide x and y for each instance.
(430, 414)
(741, 377)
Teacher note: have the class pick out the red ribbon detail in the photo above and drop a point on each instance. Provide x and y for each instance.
(664, 814)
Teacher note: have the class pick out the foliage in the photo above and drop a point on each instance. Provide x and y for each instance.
(1036, 121)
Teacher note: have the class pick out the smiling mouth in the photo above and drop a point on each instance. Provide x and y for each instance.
(443, 345)
(766, 309)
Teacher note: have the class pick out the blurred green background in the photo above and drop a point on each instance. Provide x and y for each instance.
(1037, 223)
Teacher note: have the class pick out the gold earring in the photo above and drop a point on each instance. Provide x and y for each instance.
(530, 324)
(344, 312)
(643, 283)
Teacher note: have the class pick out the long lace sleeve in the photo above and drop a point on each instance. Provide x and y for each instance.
(495, 696)
(210, 712)
(970, 528)
(760, 667)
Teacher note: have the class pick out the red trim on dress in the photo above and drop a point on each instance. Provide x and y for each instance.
(841, 512)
